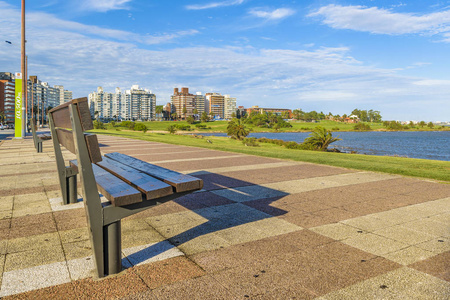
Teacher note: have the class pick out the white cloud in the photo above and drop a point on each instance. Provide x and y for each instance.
(382, 21)
(104, 5)
(327, 79)
(214, 4)
(46, 21)
(277, 14)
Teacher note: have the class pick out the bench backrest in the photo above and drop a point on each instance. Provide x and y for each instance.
(63, 117)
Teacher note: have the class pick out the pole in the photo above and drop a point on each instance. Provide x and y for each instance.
(23, 64)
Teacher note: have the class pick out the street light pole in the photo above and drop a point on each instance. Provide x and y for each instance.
(23, 65)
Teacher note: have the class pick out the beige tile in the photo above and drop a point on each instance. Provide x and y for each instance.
(74, 235)
(429, 227)
(33, 258)
(76, 250)
(442, 218)
(241, 234)
(274, 226)
(437, 245)
(42, 241)
(203, 243)
(140, 237)
(404, 235)
(409, 255)
(337, 231)
(403, 283)
(369, 223)
(171, 219)
(374, 244)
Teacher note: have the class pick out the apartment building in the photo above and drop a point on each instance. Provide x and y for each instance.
(64, 95)
(134, 104)
(200, 103)
(284, 112)
(7, 98)
(216, 104)
(229, 107)
(183, 102)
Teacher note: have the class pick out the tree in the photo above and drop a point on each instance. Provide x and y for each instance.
(422, 124)
(159, 109)
(236, 129)
(211, 115)
(195, 112)
(171, 129)
(174, 116)
(204, 117)
(320, 139)
(2, 115)
(430, 125)
(184, 112)
(190, 120)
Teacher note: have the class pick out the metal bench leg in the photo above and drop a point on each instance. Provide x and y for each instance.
(39, 147)
(72, 193)
(112, 247)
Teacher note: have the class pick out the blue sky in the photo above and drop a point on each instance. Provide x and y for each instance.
(325, 55)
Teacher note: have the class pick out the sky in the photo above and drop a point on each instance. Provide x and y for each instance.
(323, 55)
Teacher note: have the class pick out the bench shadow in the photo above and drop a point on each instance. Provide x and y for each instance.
(224, 203)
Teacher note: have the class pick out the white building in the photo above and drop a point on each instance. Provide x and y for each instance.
(134, 104)
(230, 106)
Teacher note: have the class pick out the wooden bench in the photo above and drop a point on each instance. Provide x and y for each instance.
(38, 138)
(129, 184)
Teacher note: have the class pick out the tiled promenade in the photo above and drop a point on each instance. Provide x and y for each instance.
(261, 229)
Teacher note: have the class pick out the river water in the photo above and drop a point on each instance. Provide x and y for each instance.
(414, 144)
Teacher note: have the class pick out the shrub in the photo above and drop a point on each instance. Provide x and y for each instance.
(140, 127)
(335, 129)
(98, 125)
(319, 139)
(252, 142)
(362, 127)
(182, 127)
(171, 129)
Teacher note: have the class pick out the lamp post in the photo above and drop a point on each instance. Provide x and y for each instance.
(23, 67)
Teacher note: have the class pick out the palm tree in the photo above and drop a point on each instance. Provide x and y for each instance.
(320, 138)
(237, 129)
(2, 115)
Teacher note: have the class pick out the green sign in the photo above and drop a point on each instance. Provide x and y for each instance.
(18, 106)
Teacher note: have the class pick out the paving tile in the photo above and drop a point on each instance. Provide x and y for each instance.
(24, 280)
(404, 235)
(74, 235)
(248, 193)
(35, 229)
(81, 268)
(57, 292)
(374, 244)
(429, 227)
(149, 253)
(75, 250)
(337, 231)
(220, 181)
(438, 266)
(113, 287)
(201, 243)
(403, 283)
(32, 258)
(197, 288)
(33, 242)
(369, 223)
(437, 245)
(409, 255)
(168, 271)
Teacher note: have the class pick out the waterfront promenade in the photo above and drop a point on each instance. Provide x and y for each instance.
(260, 229)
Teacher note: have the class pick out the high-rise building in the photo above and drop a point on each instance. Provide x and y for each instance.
(216, 104)
(7, 99)
(134, 104)
(64, 95)
(183, 103)
(142, 103)
(199, 103)
(230, 107)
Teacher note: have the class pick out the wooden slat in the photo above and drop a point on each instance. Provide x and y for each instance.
(180, 182)
(65, 138)
(151, 187)
(61, 114)
(44, 136)
(114, 189)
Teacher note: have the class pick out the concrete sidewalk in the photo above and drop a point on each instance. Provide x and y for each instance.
(261, 229)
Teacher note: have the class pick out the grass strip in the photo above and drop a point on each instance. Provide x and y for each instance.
(423, 168)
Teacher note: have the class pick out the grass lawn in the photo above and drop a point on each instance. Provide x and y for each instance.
(221, 126)
(433, 169)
